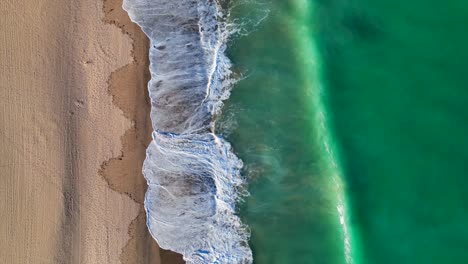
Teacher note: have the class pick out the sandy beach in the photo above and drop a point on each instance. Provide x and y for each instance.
(74, 126)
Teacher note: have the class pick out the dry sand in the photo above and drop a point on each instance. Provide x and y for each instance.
(73, 130)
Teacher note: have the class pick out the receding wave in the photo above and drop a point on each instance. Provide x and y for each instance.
(193, 176)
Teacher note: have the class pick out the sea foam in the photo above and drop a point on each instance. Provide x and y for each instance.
(193, 176)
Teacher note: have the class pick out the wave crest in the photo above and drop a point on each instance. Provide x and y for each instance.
(193, 176)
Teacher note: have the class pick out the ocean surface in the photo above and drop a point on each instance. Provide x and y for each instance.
(396, 82)
(296, 201)
(345, 121)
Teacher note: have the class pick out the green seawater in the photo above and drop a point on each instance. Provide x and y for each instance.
(352, 124)
(396, 75)
(292, 210)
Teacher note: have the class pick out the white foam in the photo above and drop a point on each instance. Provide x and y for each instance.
(193, 176)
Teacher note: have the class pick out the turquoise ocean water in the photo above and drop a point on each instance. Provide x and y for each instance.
(352, 124)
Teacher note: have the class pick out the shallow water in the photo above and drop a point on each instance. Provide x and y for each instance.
(390, 78)
(292, 210)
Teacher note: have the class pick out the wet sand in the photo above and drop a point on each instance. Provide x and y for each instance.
(74, 126)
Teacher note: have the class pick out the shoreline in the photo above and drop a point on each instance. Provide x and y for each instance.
(135, 140)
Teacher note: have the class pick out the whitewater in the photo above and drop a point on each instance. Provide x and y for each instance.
(193, 176)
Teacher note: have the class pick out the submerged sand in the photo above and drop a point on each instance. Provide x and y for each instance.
(74, 126)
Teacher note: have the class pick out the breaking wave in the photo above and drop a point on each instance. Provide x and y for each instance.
(193, 176)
